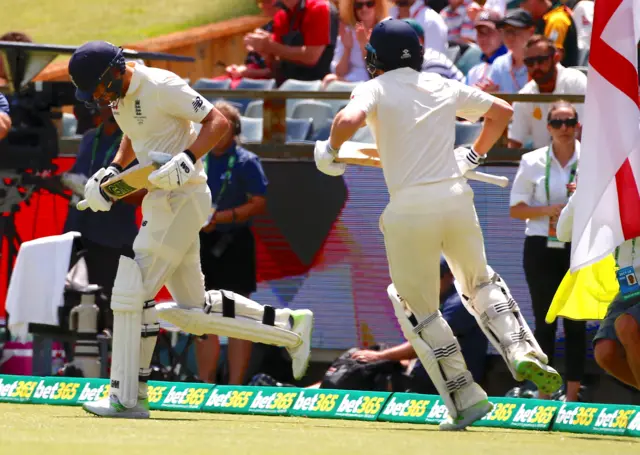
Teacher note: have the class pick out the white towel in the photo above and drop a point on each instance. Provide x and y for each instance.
(36, 289)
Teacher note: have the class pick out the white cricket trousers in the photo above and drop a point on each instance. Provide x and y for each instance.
(419, 224)
(167, 248)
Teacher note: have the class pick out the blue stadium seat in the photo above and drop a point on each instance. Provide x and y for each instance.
(254, 109)
(252, 84)
(298, 129)
(322, 133)
(466, 133)
(339, 86)
(204, 83)
(319, 111)
(296, 85)
(251, 129)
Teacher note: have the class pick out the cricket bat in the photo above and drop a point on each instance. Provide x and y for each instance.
(367, 155)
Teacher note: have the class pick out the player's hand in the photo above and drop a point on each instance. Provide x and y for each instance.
(487, 85)
(94, 197)
(366, 356)
(324, 160)
(467, 159)
(174, 173)
(571, 187)
(553, 211)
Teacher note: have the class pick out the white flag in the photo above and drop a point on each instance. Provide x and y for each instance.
(607, 210)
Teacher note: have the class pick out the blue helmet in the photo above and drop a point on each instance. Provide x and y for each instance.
(393, 44)
(91, 65)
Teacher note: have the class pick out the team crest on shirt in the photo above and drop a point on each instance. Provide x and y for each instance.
(197, 104)
(137, 106)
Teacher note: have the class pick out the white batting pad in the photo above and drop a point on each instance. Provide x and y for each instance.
(439, 351)
(197, 322)
(126, 303)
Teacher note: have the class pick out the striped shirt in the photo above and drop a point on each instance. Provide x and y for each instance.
(459, 24)
(437, 62)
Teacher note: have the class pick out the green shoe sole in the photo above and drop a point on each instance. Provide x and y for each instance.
(543, 376)
(467, 417)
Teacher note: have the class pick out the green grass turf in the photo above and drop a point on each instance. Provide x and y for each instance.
(53, 430)
(119, 21)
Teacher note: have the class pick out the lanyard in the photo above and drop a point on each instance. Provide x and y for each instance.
(633, 253)
(110, 152)
(547, 174)
(227, 177)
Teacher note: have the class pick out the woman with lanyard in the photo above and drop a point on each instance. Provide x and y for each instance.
(544, 182)
(227, 246)
(105, 235)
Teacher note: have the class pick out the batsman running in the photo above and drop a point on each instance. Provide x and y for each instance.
(157, 110)
(431, 211)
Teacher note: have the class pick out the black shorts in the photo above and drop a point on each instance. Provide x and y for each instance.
(229, 260)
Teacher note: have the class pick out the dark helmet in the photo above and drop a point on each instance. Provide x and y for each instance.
(91, 65)
(393, 44)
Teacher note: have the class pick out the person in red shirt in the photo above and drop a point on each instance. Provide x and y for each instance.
(303, 40)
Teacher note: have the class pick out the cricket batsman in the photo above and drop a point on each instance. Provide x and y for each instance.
(156, 111)
(431, 211)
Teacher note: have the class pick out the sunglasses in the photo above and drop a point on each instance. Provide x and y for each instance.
(359, 5)
(557, 123)
(531, 61)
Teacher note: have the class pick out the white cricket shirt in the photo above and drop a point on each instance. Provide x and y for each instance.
(529, 185)
(412, 116)
(530, 119)
(435, 29)
(157, 114)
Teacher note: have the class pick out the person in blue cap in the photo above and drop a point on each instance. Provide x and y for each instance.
(431, 213)
(156, 111)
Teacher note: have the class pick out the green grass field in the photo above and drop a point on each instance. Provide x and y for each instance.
(120, 21)
(52, 430)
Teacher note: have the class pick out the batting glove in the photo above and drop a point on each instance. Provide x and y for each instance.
(324, 156)
(174, 173)
(94, 196)
(467, 159)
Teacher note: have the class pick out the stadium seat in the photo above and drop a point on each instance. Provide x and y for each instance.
(339, 86)
(322, 133)
(254, 109)
(296, 85)
(365, 135)
(204, 83)
(471, 57)
(251, 129)
(466, 133)
(319, 111)
(298, 129)
(252, 84)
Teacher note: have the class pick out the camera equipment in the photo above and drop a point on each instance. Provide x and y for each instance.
(28, 151)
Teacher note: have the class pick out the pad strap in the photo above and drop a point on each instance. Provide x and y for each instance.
(269, 315)
(495, 310)
(420, 326)
(462, 380)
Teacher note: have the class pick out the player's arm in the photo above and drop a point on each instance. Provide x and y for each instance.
(125, 154)
(306, 55)
(214, 127)
(397, 353)
(473, 104)
(353, 117)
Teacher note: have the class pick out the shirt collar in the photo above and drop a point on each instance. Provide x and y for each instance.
(136, 78)
(230, 151)
(498, 52)
(574, 158)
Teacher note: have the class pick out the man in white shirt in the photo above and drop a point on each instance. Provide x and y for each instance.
(435, 29)
(548, 76)
(156, 110)
(583, 18)
(431, 212)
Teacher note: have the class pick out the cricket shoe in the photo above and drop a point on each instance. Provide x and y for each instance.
(467, 417)
(546, 378)
(111, 407)
(302, 325)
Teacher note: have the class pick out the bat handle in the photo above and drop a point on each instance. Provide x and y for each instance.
(82, 205)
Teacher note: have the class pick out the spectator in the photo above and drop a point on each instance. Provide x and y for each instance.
(508, 72)
(434, 61)
(542, 186)
(18, 37)
(554, 20)
(105, 235)
(548, 76)
(473, 342)
(498, 6)
(490, 43)
(303, 40)
(583, 18)
(459, 25)
(255, 66)
(227, 246)
(358, 18)
(5, 120)
(435, 29)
